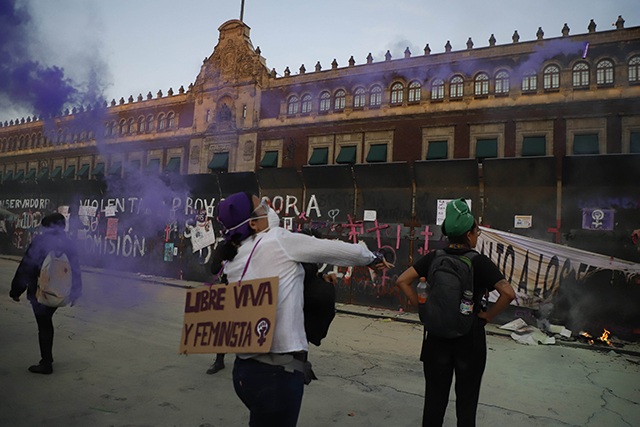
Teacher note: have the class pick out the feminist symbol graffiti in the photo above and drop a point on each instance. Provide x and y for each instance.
(597, 216)
(262, 328)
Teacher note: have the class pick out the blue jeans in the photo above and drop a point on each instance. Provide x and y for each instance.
(272, 395)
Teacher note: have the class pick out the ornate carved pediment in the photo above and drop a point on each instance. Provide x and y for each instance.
(234, 58)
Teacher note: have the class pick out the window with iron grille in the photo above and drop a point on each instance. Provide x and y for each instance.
(457, 87)
(359, 98)
(376, 96)
(604, 72)
(414, 92)
(306, 103)
(529, 81)
(339, 100)
(397, 93)
(502, 82)
(551, 77)
(437, 89)
(293, 105)
(481, 86)
(581, 75)
(325, 101)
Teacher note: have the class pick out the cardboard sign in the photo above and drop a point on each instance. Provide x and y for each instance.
(230, 318)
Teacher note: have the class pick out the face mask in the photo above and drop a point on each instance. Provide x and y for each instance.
(274, 219)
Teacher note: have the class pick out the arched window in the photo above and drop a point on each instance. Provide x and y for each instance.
(414, 92)
(437, 89)
(376, 96)
(456, 89)
(397, 93)
(141, 124)
(306, 103)
(604, 72)
(325, 101)
(149, 123)
(529, 81)
(634, 69)
(123, 127)
(502, 82)
(132, 125)
(107, 129)
(293, 105)
(551, 77)
(41, 141)
(83, 135)
(90, 135)
(339, 100)
(481, 86)
(581, 75)
(162, 122)
(171, 120)
(359, 98)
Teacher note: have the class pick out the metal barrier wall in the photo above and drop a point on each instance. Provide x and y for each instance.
(520, 195)
(149, 223)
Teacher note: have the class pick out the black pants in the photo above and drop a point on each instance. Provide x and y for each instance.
(44, 318)
(272, 395)
(467, 357)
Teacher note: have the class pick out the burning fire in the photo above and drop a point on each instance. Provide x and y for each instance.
(604, 338)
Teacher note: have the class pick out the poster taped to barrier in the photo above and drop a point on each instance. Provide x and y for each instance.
(536, 269)
(230, 318)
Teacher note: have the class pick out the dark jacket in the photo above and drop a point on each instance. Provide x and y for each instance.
(26, 277)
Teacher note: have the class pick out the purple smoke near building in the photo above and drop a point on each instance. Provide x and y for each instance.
(27, 83)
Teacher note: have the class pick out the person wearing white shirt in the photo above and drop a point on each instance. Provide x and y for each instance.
(271, 384)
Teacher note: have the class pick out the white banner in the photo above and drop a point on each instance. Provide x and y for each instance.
(536, 269)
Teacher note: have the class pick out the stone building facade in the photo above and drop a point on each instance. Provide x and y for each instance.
(567, 95)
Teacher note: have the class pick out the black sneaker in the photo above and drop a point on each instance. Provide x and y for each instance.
(41, 369)
(215, 368)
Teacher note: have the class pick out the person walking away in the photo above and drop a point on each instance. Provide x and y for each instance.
(53, 242)
(465, 355)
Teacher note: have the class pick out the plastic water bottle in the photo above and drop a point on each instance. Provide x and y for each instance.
(422, 290)
(466, 304)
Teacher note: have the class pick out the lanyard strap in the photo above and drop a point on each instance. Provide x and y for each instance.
(218, 275)
(249, 259)
(243, 271)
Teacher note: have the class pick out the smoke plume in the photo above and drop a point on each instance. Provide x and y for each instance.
(26, 83)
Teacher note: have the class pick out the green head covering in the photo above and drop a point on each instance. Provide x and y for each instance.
(458, 219)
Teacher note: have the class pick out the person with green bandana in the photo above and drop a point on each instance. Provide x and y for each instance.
(465, 355)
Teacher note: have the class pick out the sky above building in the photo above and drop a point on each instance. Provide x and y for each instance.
(117, 48)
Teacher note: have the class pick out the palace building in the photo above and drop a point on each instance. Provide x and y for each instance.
(565, 95)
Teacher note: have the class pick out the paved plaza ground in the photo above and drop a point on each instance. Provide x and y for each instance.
(117, 364)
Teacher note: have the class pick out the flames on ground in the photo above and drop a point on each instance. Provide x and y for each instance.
(601, 340)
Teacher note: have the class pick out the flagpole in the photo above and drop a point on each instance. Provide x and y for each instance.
(242, 11)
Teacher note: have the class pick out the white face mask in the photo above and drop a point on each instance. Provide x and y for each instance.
(274, 219)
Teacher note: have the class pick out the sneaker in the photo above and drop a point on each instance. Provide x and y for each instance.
(215, 368)
(41, 369)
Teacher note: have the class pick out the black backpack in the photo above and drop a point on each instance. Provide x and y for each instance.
(319, 304)
(449, 276)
